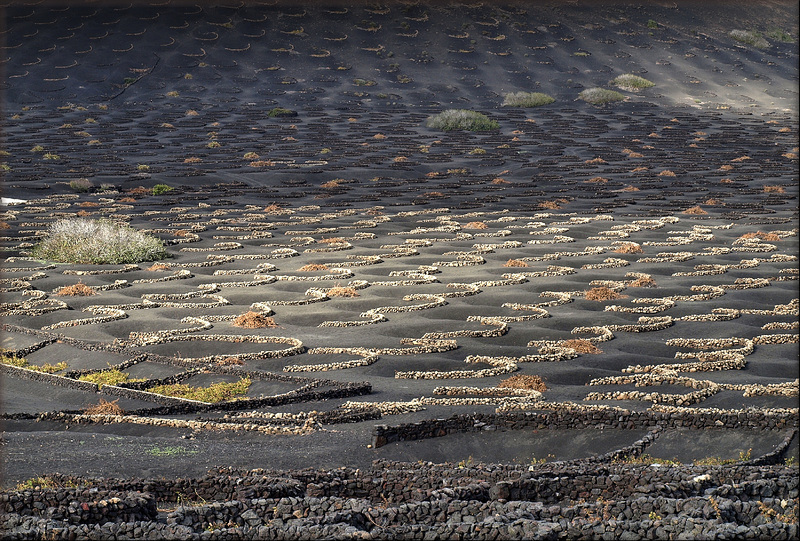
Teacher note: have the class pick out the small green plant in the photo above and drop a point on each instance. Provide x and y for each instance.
(213, 144)
(744, 456)
(43, 482)
(461, 119)
(173, 94)
(580, 53)
(535, 461)
(280, 111)
(171, 451)
(750, 37)
(652, 24)
(363, 82)
(216, 392)
(19, 362)
(111, 376)
(81, 185)
(97, 242)
(780, 35)
(600, 96)
(127, 81)
(466, 463)
(477, 152)
(648, 460)
(791, 461)
(51, 156)
(654, 516)
(526, 99)
(161, 189)
(143, 167)
(631, 82)
(37, 148)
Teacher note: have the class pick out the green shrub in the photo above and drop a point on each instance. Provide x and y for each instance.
(526, 99)
(652, 24)
(630, 81)
(108, 377)
(600, 96)
(461, 119)
(161, 189)
(280, 111)
(81, 185)
(97, 242)
(19, 362)
(779, 35)
(216, 392)
(751, 37)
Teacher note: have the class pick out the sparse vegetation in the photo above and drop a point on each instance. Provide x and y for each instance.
(695, 210)
(81, 185)
(476, 225)
(779, 34)
(342, 291)
(744, 456)
(461, 119)
(161, 189)
(750, 37)
(216, 392)
(97, 242)
(602, 293)
(254, 320)
(600, 96)
(313, 267)
(112, 376)
(104, 407)
(526, 99)
(76, 290)
(522, 381)
(629, 248)
(581, 345)
(281, 112)
(19, 362)
(631, 82)
(515, 263)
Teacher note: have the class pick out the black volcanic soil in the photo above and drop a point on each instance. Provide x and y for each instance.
(180, 94)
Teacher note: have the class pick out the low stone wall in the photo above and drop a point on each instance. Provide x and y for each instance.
(590, 418)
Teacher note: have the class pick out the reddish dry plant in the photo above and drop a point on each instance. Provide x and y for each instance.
(342, 291)
(76, 290)
(4, 225)
(789, 155)
(521, 381)
(330, 184)
(157, 267)
(597, 180)
(126, 200)
(726, 181)
(638, 169)
(772, 237)
(180, 232)
(740, 159)
(192, 159)
(630, 188)
(631, 153)
(629, 248)
(476, 225)
(666, 173)
(725, 167)
(774, 189)
(644, 281)
(515, 263)
(83, 213)
(695, 210)
(499, 180)
(602, 293)
(552, 205)
(139, 190)
(89, 204)
(254, 320)
(261, 163)
(379, 136)
(595, 161)
(581, 345)
(331, 240)
(274, 209)
(313, 267)
(104, 407)
(713, 202)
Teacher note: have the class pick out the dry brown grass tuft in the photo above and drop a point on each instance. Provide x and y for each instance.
(126, 200)
(774, 189)
(695, 210)
(192, 159)
(581, 346)
(726, 181)
(379, 136)
(331, 240)
(342, 291)
(638, 169)
(713, 202)
(644, 281)
(476, 225)
(158, 267)
(139, 190)
(89, 204)
(261, 163)
(254, 320)
(630, 188)
(521, 381)
(4, 225)
(83, 213)
(666, 173)
(330, 184)
(313, 267)
(725, 167)
(76, 290)
(597, 180)
(104, 407)
(230, 361)
(632, 154)
(740, 159)
(602, 293)
(275, 209)
(499, 180)
(595, 161)
(629, 248)
(772, 237)
(515, 263)
(550, 205)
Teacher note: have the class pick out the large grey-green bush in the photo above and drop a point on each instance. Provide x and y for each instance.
(461, 119)
(97, 242)
(526, 99)
(600, 96)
